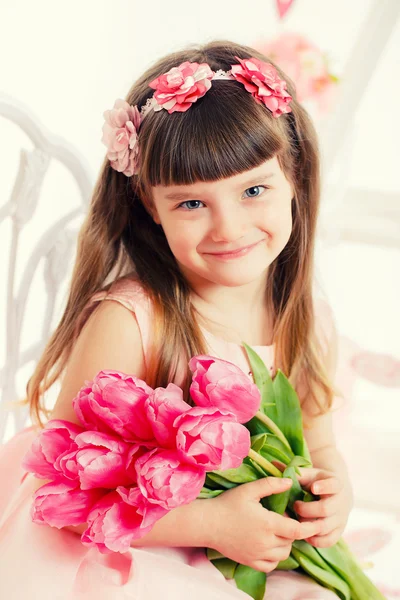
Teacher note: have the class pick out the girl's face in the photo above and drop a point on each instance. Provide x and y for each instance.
(227, 232)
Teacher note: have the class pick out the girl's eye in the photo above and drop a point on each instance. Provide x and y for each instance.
(193, 204)
(255, 187)
(190, 204)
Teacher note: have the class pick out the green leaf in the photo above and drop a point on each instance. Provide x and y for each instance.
(275, 449)
(299, 461)
(288, 415)
(295, 491)
(226, 566)
(276, 502)
(309, 552)
(258, 468)
(251, 581)
(222, 482)
(341, 559)
(289, 564)
(322, 574)
(308, 497)
(213, 554)
(258, 441)
(205, 493)
(255, 426)
(263, 381)
(243, 474)
(209, 483)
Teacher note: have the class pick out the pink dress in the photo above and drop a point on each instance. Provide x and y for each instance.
(39, 562)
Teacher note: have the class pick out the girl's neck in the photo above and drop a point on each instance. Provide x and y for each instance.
(235, 314)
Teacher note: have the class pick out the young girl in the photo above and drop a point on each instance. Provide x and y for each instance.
(200, 236)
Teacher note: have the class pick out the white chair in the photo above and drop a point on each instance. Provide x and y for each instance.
(54, 247)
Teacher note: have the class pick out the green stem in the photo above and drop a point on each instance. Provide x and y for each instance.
(264, 463)
(272, 427)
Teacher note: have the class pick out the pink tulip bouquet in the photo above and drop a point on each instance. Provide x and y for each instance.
(140, 453)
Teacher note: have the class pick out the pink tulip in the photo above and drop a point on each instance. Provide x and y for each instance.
(46, 457)
(165, 479)
(211, 438)
(118, 518)
(163, 406)
(63, 504)
(222, 384)
(115, 403)
(105, 461)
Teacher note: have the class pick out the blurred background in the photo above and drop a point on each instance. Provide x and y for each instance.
(63, 64)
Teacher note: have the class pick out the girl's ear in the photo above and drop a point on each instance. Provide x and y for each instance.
(155, 216)
(151, 209)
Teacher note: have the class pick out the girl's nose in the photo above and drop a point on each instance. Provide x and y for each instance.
(229, 225)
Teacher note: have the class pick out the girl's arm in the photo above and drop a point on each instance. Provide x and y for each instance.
(189, 525)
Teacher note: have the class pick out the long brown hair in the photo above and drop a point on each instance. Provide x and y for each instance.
(224, 133)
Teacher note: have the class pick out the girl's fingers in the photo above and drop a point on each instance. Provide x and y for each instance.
(308, 475)
(328, 525)
(325, 541)
(316, 509)
(332, 485)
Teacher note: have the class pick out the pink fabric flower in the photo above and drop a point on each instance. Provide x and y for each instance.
(115, 403)
(177, 89)
(165, 479)
(163, 406)
(118, 518)
(212, 438)
(121, 138)
(264, 84)
(105, 461)
(47, 456)
(222, 384)
(63, 504)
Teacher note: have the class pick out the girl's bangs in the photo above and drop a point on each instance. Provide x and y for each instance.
(224, 133)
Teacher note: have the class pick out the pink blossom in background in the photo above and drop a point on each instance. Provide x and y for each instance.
(212, 438)
(115, 403)
(220, 383)
(381, 369)
(177, 89)
(47, 456)
(306, 65)
(165, 480)
(61, 504)
(162, 408)
(283, 7)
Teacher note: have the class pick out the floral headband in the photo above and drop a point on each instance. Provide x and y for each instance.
(175, 91)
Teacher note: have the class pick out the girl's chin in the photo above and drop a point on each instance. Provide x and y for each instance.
(235, 279)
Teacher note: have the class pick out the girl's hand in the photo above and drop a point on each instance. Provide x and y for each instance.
(246, 532)
(332, 509)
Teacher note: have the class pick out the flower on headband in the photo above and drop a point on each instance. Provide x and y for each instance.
(263, 82)
(120, 137)
(181, 86)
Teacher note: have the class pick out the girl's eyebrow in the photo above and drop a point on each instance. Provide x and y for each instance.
(256, 178)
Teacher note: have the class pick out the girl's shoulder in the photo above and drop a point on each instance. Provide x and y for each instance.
(129, 292)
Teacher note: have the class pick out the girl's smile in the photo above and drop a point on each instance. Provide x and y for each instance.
(226, 255)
